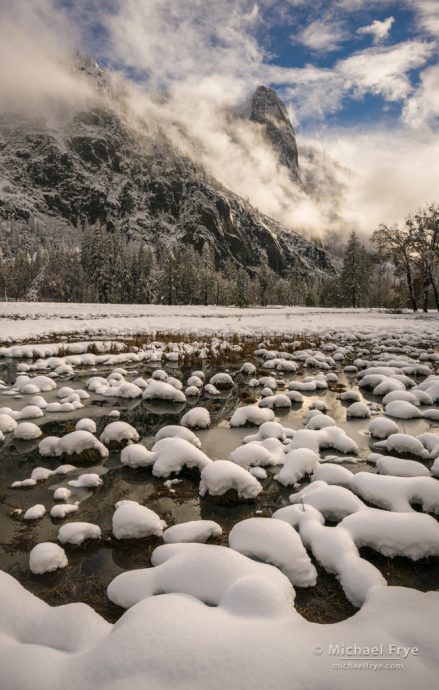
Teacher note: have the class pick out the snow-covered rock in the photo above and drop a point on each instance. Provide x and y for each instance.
(298, 463)
(117, 434)
(196, 418)
(161, 390)
(35, 512)
(47, 557)
(193, 531)
(134, 521)
(173, 454)
(176, 431)
(27, 431)
(275, 542)
(221, 476)
(77, 532)
(251, 415)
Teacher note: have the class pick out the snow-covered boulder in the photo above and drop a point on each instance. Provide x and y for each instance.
(81, 445)
(176, 431)
(358, 410)
(134, 521)
(196, 418)
(47, 557)
(198, 531)
(251, 415)
(27, 431)
(298, 463)
(221, 381)
(382, 428)
(35, 512)
(136, 455)
(7, 423)
(222, 476)
(118, 434)
(86, 481)
(77, 532)
(277, 543)
(175, 454)
(162, 390)
(400, 409)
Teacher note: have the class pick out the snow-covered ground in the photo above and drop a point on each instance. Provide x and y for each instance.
(33, 320)
(181, 448)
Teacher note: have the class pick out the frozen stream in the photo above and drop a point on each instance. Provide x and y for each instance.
(93, 565)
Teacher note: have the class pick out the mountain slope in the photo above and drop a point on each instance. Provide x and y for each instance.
(94, 166)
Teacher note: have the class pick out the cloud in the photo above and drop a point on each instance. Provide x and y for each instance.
(36, 44)
(398, 173)
(322, 35)
(422, 110)
(379, 30)
(427, 15)
(384, 71)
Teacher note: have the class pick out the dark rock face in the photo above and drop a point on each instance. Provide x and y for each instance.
(267, 109)
(95, 167)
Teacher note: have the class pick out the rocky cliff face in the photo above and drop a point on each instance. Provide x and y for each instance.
(267, 109)
(93, 166)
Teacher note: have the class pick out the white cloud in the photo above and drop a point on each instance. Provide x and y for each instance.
(379, 30)
(427, 15)
(422, 109)
(393, 172)
(36, 42)
(322, 35)
(384, 71)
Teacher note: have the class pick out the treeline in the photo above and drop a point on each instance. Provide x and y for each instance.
(399, 269)
(108, 268)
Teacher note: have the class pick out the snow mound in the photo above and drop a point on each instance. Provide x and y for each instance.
(404, 443)
(135, 455)
(204, 571)
(397, 493)
(382, 428)
(222, 475)
(334, 502)
(251, 415)
(198, 531)
(134, 521)
(400, 409)
(35, 512)
(277, 543)
(358, 410)
(86, 481)
(196, 418)
(176, 431)
(47, 557)
(59, 511)
(26, 431)
(77, 532)
(119, 433)
(74, 443)
(7, 423)
(161, 390)
(298, 463)
(254, 454)
(86, 424)
(173, 454)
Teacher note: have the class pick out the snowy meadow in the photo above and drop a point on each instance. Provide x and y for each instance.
(193, 497)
